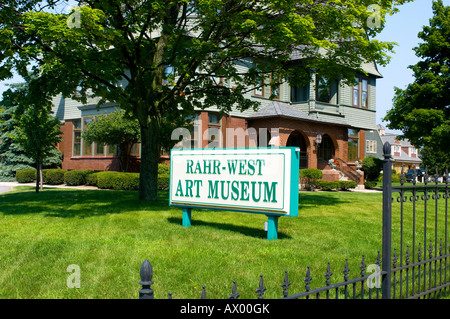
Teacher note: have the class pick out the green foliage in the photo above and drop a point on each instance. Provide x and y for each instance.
(309, 176)
(311, 173)
(91, 179)
(76, 177)
(163, 181)
(12, 155)
(26, 175)
(123, 180)
(122, 36)
(116, 128)
(327, 185)
(370, 184)
(53, 176)
(372, 167)
(335, 185)
(163, 169)
(346, 185)
(126, 181)
(105, 180)
(395, 177)
(421, 111)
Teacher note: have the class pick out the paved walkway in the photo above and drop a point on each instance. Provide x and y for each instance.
(4, 189)
(7, 186)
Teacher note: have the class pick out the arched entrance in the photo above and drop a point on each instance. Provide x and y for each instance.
(297, 139)
(326, 149)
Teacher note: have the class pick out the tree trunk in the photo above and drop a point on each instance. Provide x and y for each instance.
(150, 142)
(41, 185)
(38, 176)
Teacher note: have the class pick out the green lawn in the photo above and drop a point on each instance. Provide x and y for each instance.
(110, 233)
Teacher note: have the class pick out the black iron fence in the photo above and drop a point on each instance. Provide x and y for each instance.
(415, 259)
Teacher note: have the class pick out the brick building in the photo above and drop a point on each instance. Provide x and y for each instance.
(326, 119)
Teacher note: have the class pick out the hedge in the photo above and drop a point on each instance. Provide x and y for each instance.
(122, 181)
(103, 179)
(53, 176)
(370, 184)
(335, 185)
(327, 185)
(76, 177)
(309, 177)
(26, 175)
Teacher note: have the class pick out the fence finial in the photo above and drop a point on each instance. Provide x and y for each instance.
(387, 150)
(285, 285)
(261, 289)
(234, 294)
(146, 273)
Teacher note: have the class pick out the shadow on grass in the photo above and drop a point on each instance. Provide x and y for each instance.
(247, 231)
(311, 199)
(73, 203)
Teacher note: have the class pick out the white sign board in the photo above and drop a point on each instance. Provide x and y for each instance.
(255, 180)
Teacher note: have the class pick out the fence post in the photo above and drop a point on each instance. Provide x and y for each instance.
(387, 221)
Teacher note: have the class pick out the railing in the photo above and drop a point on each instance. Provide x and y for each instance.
(348, 170)
(362, 287)
(422, 268)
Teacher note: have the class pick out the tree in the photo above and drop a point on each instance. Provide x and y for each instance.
(161, 59)
(422, 110)
(115, 129)
(12, 155)
(37, 132)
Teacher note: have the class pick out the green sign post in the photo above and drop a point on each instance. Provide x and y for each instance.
(252, 180)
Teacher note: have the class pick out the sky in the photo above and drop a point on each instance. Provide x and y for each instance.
(401, 28)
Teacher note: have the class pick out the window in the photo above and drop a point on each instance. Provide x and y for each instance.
(364, 93)
(326, 90)
(111, 150)
(323, 89)
(214, 130)
(99, 149)
(259, 89)
(356, 94)
(353, 145)
(76, 149)
(299, 93)
(361, 93)
(371, 146)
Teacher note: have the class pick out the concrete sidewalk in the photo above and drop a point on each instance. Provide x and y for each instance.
(7, 186)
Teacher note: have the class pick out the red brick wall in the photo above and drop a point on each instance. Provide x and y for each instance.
(309, 130)
(96, 163)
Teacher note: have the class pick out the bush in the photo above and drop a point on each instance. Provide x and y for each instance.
(371, 166)
(327, 185)
(76, 177)
(105, 180)
(126, 181)
(346, 185)
(91, 179)
(53, 176)
(370, 185)
(309, 177)
(26, 175)
(395, 177)
(163, 169)
(163, 181)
